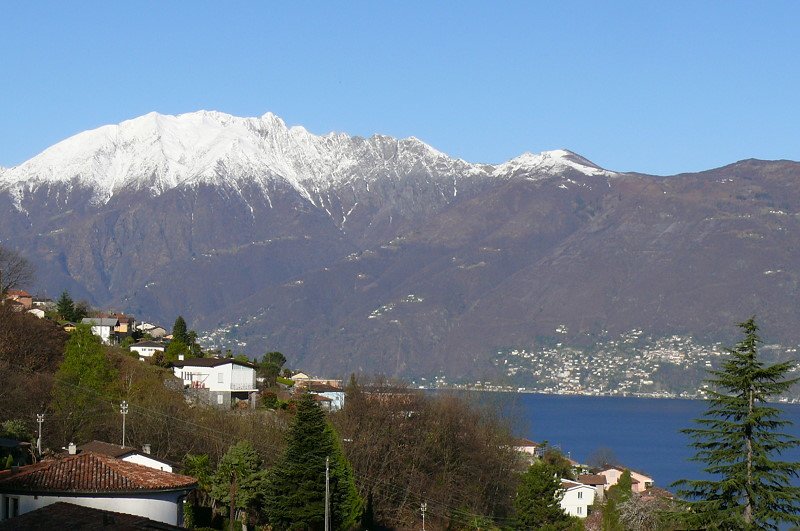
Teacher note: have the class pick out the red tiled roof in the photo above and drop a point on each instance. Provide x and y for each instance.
(525, 442)
(89, 472)
(109, 449)
(63, 515)
(17, 293)
(592, 479)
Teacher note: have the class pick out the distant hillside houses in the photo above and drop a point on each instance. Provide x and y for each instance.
(581, 493)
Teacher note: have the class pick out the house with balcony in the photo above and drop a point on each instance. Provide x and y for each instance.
(220, 381)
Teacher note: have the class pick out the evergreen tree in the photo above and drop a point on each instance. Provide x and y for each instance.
(296, 493)
(84, 381)
(66, 307)
(538, 499)
(617, 495)
(179, 331)
(239, 475)
(738, 438)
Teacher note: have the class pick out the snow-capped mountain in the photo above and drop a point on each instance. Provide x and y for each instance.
(160, 152)
(386, 255)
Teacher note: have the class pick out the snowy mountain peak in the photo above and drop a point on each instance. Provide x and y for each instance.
(158, 152)
(554, 161)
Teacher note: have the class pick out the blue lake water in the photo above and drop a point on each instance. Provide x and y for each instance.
(643, 433)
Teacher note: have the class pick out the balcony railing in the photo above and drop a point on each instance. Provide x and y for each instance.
(243, 387)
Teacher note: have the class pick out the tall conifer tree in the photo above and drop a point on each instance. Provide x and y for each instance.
(740, 440)
(296, 492)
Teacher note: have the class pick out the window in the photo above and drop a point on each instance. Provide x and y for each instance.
(220, 377)
(580, 510)
(580, 495)
(219, 398)
(10, 507)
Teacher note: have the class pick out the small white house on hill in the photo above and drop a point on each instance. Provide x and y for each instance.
(222, 381)
(102, 327)
(146, 349)
(577, 498)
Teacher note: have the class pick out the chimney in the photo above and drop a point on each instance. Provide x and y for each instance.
(146, 448)
(73, 449)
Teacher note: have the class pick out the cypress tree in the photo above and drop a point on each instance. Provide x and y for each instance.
(739, 439)
(179, 332)
(66, 306)
(296, 491)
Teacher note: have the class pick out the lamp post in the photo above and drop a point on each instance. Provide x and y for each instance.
(39, 419)
(123, 408)
(423, 508)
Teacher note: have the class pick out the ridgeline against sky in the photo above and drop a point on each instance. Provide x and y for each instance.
(660, 89)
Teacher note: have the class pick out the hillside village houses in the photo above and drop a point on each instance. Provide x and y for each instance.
(580, 494)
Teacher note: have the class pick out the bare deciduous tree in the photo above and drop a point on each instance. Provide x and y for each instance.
(15, 270)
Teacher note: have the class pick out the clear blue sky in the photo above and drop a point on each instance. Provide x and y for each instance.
(658, 87)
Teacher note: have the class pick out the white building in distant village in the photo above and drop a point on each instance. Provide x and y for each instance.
(223, 381)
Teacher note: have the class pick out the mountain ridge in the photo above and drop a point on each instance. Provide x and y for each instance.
(397, 258)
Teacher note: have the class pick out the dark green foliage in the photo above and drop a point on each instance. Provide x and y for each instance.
(538, 497)
(66, 307)
(174, 350)
(239, 474)
(270, 367)
(15, 429)
(179, 331)
(84, 379)
(739, 440)
(296, 494)
(617, 495)
(554, 457)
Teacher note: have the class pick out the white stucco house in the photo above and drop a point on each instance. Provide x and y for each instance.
(102, 327)
(146, 349)
(577, 498)
(640, 482)
(222, 381)
(98, 481)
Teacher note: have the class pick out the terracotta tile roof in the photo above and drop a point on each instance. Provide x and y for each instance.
(62, 515)
(89, 472)
(109, 449)
(592, 479)
(17, 293)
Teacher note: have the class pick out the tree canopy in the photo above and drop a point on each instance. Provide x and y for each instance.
(296, 492)
(739, 440)
(84, 376)
(538, 499)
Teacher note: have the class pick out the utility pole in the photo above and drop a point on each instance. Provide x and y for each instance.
(39, 419)
(327, 495)
(233, 500)
(423, 508)
(123, 408)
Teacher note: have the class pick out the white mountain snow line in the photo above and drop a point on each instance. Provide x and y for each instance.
(159, 152)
